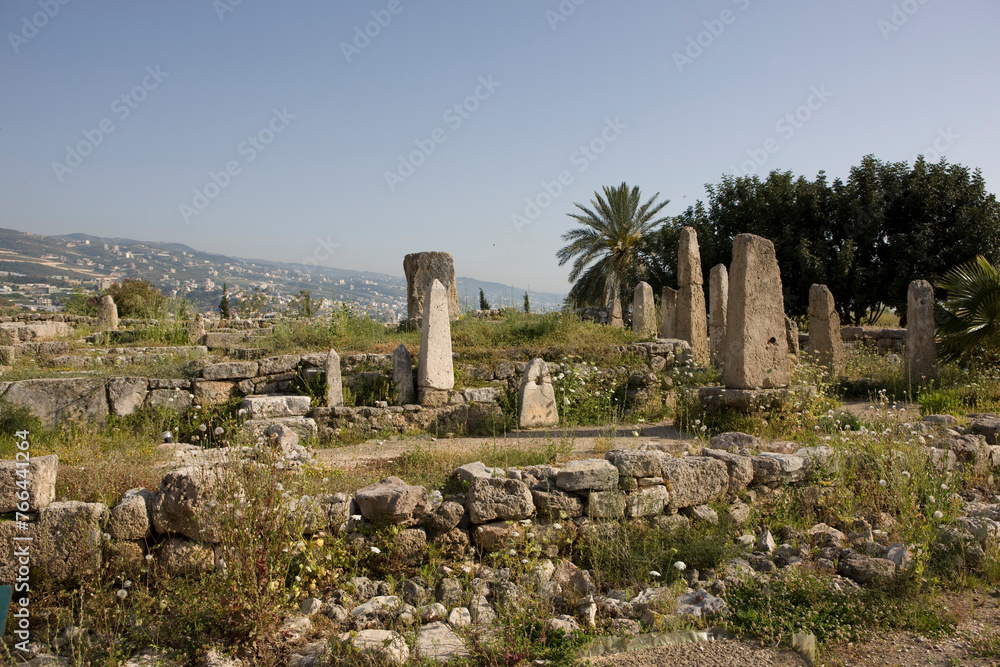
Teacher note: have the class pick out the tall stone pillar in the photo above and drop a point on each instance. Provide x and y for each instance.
(718, 304)
(921, 353)
(691, 319)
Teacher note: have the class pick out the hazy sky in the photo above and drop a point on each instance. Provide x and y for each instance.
(281, 130)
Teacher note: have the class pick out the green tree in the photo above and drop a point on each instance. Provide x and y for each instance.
(483, 303)
(301, 305)
(527, 303)
(138, 298)
(610, 252)
(83, 303)
(224, 306)
(253, 303)
(969, 319)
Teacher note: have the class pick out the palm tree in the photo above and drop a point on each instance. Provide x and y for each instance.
(969, 321)
(608, 250)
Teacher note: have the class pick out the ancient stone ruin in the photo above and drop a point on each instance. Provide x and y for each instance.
(690, 318)
(718, 304)
(920, 357)
(334, 382)
(668, 304)
(422, 268)
(402, 375)
(825, 343)
(536, 398)
(107, 314)
(756, 355)
(435, 371)
(643, 310)
(616, 319)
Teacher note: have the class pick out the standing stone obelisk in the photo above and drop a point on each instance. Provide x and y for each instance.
(435, 371)
(756, 353)
(691, 319)
(643, 310)
(718, 304)
(420, 268)
(334, 382)
(921, 354)
(196, 329)
(107, 314)
(615, 318)
(402, 375)
(825, 343)
(668, 319)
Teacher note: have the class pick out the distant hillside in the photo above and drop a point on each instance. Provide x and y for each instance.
(74, 261)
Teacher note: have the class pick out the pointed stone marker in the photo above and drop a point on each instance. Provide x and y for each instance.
(691, 319)
(435, 372)
(536, 398)
(718, 303)
(334, 383)
(643, 310)
(402, 375)
(921, 354)
(825, 343)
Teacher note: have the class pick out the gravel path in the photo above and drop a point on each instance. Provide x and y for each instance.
(720, 653)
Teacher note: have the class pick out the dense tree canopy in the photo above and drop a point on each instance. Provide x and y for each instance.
(865, 238)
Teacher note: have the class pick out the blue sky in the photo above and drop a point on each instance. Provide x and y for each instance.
(283, 131)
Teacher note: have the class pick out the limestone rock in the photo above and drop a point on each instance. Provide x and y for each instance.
(179, 557)
(987, 426)
(230, 370)
(553, 503)
(734, 441)
(130, 517)
(182, 505)
(384, 644)
(392, 500)
(647, 501)
(334, 384)
(208, 392)
(740, 468)
(41, 478)
(70, 539)
(582, 475)
(668, 319)
(271, 407)
(792, 336)
(866, 570)
(634, 462)
(421, 269)
(610, 504)
(694, 480)
(756, 354)
(196, 329)
(615, 318)
(444, 518)
(536, 398)
(435, 368)
(57, 400)
(107, 314)
(771, 468)
(643, 311)
(503, 499)
(126, 394)
(437, 642)
(825, 342)
(690, 318)
(718, 304)
(920, 354)
(402, 375)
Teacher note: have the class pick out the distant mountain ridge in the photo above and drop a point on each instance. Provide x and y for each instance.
(73, 259)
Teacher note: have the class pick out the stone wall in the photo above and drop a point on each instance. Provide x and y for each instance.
(884, 339)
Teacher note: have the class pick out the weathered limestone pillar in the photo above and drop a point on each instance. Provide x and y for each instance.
(536, 399)
(668, 321)
(792, 336)
(691, 319)
(107, 314)
(718, 303)
(334, 382)
(756, 352)
(435, 371)
(615, 319)
(196, 329)
(402, 375)
(420, 269)
(643, 310)
(825, 344)
(921, 353)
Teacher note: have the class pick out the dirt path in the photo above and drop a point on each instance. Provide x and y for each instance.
(721, 653)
